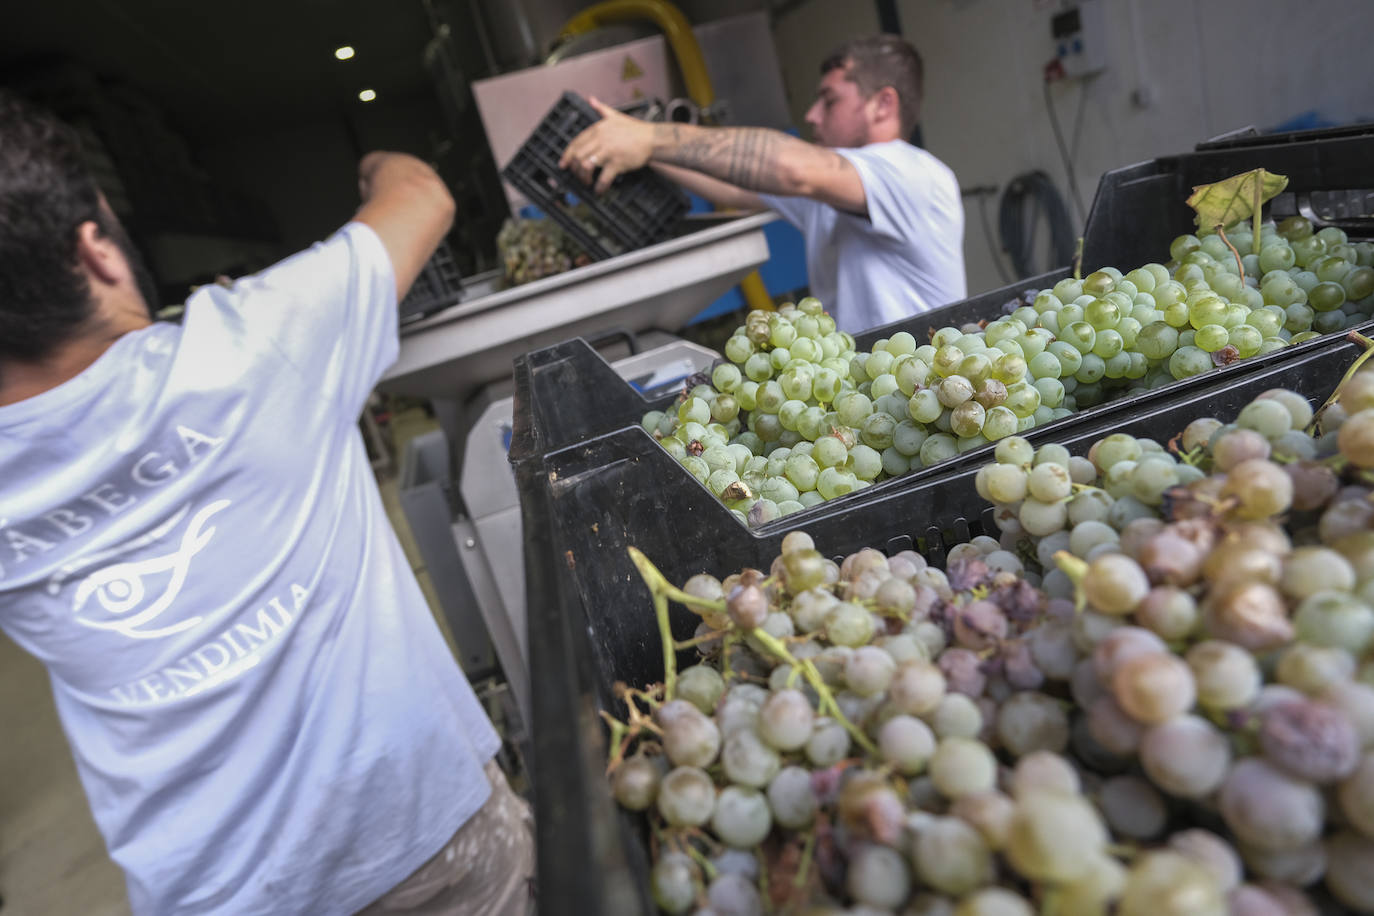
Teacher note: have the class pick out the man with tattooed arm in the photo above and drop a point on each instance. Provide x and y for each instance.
(882, 218)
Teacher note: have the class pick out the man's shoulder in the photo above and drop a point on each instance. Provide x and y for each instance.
(905, 155)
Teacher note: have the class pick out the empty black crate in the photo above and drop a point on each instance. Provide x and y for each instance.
(438, 286)
(591, 622)
(640, 208)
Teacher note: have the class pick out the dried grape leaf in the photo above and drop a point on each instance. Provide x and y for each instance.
(1233, 199)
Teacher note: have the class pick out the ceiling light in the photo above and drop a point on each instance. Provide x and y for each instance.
(367, 95)
(343, 53)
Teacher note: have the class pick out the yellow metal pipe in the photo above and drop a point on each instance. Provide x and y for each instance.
(676, 29)
(678, 32)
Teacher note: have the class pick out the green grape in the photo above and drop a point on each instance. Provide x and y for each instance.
(1022, 401)
(947, 360)
(727, 377)
(830, 452)
(759, 367)
(1246, 339)
(748, 395)
(1209, 310)
(802, 471)
(854, 409)
(1359, 283)
(1211, 338)
(864, 462)
(1300, 318)
(835, 481)
(938, 447)
(1080, 335)
(1092, 369)
(975, 367)
(1330, 268)
(1108, 344)
(1051, 393)
(925, 406)
(1326, 296)
(1278, 256)
(1045, 365)
(1189, 361)
(894, 462)
(966, 420)
(1070, 357)
(1157, 340)
(1102, 314)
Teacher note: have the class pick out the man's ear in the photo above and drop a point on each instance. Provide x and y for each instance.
(98, 254)
(886, 103)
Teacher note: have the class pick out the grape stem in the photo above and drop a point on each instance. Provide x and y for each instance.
(1368, 344)
(828, 706)
(1075, 568)
(1078, 260)
(1240, 265)
(662, 590)
(699, 640)
(804, 866)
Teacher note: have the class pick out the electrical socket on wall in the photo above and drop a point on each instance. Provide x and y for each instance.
(1079, 37)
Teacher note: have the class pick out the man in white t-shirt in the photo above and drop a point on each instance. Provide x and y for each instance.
(263, 712)
(883, 220)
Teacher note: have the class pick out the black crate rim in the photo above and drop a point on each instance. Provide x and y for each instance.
(640, 209)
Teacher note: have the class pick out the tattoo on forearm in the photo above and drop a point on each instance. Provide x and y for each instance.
(746, 157)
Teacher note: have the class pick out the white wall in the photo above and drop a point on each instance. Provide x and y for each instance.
(1210, 65)
(805, 36)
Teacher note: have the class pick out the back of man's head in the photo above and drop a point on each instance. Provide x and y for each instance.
(46, 192)
(883, 60)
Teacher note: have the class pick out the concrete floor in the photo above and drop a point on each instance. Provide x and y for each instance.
(52, 858)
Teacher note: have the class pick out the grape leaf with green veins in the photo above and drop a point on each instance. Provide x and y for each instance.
(1234, 199)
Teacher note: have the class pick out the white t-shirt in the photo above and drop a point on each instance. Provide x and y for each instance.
(263, 712)
(907, 257)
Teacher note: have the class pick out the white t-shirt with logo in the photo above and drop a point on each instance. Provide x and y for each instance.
(263, 712)
(906, 257)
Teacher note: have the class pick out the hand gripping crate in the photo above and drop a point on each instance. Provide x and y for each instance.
(591, 622)
(639, 209)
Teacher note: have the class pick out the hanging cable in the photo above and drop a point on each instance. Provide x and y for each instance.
(983, 192)
(1063, 147)
(1028, 198)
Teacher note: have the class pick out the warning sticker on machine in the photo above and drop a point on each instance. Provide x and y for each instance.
(630, 70)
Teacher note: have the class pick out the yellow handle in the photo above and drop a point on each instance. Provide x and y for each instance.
(678, 31)
(755, 293)
(675, 28)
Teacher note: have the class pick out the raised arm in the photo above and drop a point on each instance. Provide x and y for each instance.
(750, 158)
(409, 208)
(723, 194)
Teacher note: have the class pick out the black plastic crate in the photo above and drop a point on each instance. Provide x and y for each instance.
(591, 621)
(640, 208)
(1139, 209)
(567, 393)
(439, 286)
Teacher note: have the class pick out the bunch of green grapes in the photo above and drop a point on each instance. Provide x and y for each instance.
(794, 415)
(1154, 694)
(532, 249)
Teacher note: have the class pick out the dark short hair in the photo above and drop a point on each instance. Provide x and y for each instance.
(883, 60)
(46, 193)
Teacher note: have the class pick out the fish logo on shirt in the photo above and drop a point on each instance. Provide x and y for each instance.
(116, 597)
